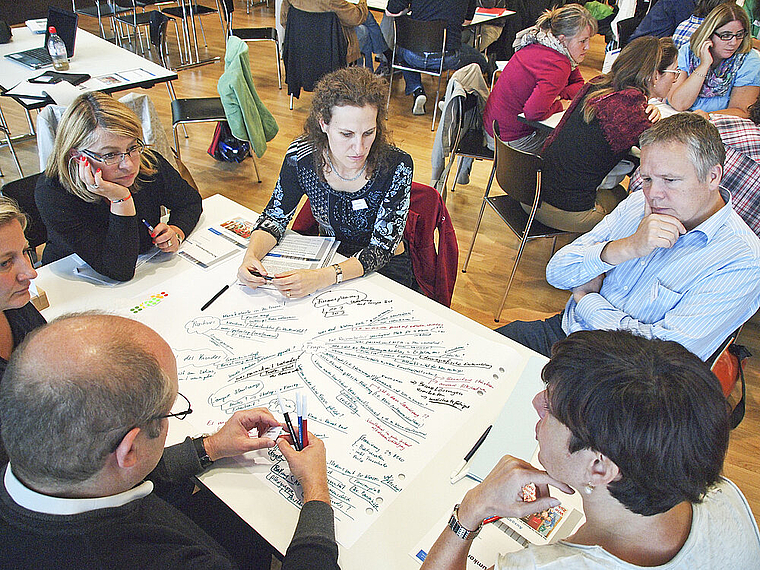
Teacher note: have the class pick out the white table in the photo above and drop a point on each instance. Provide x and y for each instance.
(92, 55)
(419, 506)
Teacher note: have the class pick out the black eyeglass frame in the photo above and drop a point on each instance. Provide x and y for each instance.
(112, 158)
(178, 415)
(728, 36)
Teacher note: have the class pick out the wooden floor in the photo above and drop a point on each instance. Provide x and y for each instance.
(478, 291)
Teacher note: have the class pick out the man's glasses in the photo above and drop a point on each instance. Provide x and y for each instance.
(116, 157)
(180, 410)
(728, 36)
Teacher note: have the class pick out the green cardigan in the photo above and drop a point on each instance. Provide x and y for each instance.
(247, 116)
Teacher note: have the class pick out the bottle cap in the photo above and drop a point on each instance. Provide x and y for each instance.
(51, 29)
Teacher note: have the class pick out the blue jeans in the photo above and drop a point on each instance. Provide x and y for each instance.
(465, 55)
(371, 40)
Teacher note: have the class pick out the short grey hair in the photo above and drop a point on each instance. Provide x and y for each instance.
(700, 136)
(59, 424)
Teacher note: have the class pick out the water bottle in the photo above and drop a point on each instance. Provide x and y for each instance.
(57, 50)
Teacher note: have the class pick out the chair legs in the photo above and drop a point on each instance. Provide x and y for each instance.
(7, 132)
(480, 218)
(279, 71)
(512, 276)
(437, 95)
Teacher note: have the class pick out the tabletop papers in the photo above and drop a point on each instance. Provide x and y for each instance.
(386, 378)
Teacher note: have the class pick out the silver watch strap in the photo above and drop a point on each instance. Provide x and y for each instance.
(457, 528)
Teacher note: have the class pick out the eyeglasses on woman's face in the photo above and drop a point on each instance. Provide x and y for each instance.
(675, 72)
(728, 36)
(112, 158)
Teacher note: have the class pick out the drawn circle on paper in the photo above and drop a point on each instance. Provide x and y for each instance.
(401, 476)
(369, 510)
(501, 369)
(379, 500)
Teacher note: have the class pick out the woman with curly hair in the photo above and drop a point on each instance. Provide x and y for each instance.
(358, 185)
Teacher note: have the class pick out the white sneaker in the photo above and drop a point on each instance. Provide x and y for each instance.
(419, 105)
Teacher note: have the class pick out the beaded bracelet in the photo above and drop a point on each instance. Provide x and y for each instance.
(121, 199)
(702, 75)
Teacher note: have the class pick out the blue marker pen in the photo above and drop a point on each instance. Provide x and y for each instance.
(150, 228)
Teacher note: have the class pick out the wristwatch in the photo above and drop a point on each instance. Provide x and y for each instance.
(458, 529)
(200, 449)
(338, 273)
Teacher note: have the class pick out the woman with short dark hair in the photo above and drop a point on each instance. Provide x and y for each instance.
(640, 428)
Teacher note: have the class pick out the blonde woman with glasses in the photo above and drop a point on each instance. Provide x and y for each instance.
(721, 71)
(102, 190)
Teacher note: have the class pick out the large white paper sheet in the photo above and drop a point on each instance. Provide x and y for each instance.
(386, 379)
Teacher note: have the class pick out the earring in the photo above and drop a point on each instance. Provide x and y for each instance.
(588, 488)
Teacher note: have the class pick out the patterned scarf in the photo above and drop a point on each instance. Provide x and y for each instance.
(719, 80)
(533, 35)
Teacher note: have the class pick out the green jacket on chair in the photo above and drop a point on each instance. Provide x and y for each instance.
(247, 116)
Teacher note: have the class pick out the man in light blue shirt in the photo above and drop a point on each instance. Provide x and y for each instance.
(673, 261)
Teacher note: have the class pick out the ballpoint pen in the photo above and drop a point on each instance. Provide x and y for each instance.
(460, 472)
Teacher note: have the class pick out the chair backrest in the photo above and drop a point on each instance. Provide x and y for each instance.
(625, 29)
(157, 31)
(228, 7)
(420, 36)
(517, 172)
(22, 190)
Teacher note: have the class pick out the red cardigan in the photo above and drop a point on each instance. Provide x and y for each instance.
(434, 269)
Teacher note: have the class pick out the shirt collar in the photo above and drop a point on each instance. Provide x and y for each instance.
(39, 503)
(712, 224)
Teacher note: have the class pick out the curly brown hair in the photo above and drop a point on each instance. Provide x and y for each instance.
(355, 87)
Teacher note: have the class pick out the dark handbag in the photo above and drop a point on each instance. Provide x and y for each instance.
(225, 147)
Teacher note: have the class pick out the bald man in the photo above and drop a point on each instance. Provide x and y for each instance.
(84, 406)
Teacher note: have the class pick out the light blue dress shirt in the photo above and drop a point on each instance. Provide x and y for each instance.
(696, 293)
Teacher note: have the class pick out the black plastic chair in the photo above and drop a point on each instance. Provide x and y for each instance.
(467, 138)
(22, 190)
(101, 9)
(263, 34)
(136, 20)
(199, 110)
(625, 28)
(518, 173)
(188, 11)
(420, 37)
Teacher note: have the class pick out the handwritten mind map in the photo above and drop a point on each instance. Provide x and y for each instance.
(386, 380)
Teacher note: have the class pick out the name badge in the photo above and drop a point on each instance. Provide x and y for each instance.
(359, 204)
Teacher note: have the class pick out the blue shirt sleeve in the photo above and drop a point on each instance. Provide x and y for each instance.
(749, 72)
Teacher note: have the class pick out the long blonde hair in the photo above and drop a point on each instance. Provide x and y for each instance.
(77, 130)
